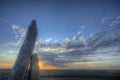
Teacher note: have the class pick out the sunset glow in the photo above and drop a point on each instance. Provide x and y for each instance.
(42, 66)
(72, 34)
(6, 65)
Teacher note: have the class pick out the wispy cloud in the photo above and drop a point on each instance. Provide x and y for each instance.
(79, 48)
(115, 22)
(106, 19)
(110, 20)
(48, 40)
(19, 35)
(68, 51)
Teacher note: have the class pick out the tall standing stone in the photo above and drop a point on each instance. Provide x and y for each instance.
(23, 58)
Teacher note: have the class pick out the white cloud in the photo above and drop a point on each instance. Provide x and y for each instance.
(83, 39)
(13, 51)
(14, 27)
(74, 39)
(19, 35)
(17, 43)
(68, 50)
(48, 40)
(79, 38)
(67, 40)
(52, 50)
(20, 32)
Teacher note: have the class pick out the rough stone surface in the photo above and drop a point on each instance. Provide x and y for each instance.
(34, 68)
(23, 58)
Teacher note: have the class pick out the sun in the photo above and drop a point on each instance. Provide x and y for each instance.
(43, 66)
(40, 64)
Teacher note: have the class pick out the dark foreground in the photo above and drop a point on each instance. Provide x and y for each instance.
(71, 74)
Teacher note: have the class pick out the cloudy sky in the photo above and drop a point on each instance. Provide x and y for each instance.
(73, 34)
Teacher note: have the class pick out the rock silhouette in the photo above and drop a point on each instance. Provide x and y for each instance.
(23, 58)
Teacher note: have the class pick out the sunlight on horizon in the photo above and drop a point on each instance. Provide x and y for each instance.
(42, 66)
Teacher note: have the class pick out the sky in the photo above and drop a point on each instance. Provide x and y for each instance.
(72, 34)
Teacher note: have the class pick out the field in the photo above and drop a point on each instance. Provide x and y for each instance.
(71, 74)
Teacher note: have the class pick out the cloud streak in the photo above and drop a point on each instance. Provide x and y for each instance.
(115, 22)
(69, 51)
(79, 48)
(19, 35)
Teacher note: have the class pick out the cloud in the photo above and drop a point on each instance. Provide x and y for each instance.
(48, 40)
(18, 31)
(115, 22)
(112, 22)
(106, 19)
(74, 50)
(80, 48)
(19, 35)
(79, 38)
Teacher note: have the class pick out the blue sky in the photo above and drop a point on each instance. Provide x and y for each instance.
(65, 27)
